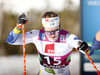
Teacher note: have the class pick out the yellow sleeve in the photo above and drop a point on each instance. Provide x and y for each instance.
(16, 31)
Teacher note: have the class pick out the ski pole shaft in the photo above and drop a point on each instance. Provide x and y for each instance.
(24, 57)
(91, 62)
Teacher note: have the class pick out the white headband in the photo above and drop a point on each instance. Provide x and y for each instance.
(50, 22)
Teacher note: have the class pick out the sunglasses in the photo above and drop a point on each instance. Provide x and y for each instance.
(55, 32)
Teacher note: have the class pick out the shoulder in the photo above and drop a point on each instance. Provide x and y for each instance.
(64, 32)
(70, 35)
(32, 32)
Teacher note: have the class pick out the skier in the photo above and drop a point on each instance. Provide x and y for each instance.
(96, 41)
(54, 45)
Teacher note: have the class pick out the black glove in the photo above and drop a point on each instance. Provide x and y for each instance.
(22, 19)
(83, 46)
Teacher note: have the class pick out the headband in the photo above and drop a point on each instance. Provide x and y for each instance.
(50, 22)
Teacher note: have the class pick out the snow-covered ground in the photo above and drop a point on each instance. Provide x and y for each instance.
(13, 65)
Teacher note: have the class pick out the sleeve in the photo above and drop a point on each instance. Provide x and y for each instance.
(13, 35)
(16, 39)
(96, 44)
(73, 40)
(30, 37)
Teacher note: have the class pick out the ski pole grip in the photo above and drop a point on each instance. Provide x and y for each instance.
(79, 44)
(77, 50)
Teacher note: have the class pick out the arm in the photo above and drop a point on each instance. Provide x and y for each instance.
(12, 37)
(83, 47)
(15, 38)
(96, 41)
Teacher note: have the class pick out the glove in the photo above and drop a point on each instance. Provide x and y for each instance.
(84, 47)
(22, 20)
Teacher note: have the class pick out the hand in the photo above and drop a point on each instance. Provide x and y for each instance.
(84, 47)
(22, 20)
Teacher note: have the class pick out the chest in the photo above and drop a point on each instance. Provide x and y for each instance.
(54, 55)
(60, 47)
(54, 49)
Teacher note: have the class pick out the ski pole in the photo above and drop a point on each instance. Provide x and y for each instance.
(24, 57)
(91, 62)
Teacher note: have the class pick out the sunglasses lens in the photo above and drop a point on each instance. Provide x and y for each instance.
(48, 33)
(52, 32)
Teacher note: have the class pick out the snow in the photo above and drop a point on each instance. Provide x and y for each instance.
(13, 65)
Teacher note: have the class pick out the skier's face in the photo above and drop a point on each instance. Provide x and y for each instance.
(52, 32)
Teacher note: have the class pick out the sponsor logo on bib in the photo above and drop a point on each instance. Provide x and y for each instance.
(49, 48)
(62, 38)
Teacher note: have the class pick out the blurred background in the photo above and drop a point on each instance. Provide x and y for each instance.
(11, 59)
(68, 11)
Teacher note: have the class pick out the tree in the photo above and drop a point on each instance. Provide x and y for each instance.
(1, 18)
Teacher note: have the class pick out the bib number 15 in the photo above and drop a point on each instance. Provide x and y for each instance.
(56, 59)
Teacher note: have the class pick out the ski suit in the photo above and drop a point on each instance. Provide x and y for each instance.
(54, 56)
(96, 44)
